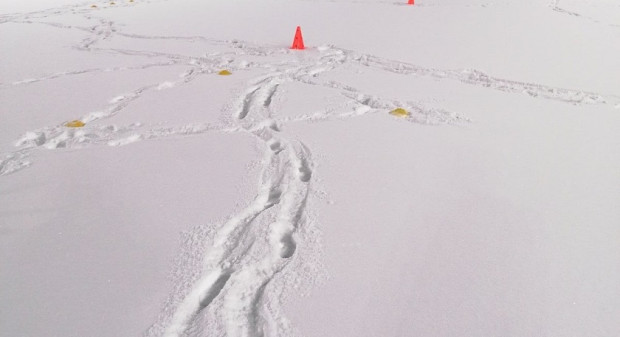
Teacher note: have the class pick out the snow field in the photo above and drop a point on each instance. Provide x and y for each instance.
(490, 210)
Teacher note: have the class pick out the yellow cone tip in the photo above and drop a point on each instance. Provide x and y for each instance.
(75, 124)
(224, 72)
(400, 112)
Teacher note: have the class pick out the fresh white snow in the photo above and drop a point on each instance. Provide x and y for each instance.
(284, 199)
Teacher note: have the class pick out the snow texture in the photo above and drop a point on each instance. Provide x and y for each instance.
(284, 199)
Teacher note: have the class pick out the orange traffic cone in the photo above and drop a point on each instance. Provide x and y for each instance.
(298, 42)
(411, 2)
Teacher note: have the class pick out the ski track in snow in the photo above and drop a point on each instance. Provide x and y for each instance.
(226, 290)
(555, 5)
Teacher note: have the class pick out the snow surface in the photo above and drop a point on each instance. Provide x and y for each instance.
(284, 199)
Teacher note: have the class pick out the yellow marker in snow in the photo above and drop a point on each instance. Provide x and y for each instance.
(224, 72)
(75, 124)
(112, 3)
(400, 112)
(93, 6)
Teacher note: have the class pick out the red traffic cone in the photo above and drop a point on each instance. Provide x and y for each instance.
(298, 42)
(411, 2)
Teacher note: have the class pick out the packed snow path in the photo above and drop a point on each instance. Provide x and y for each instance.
(247, 261)
(285, 178)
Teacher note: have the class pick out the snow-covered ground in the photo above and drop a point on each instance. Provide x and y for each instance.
(284, 199)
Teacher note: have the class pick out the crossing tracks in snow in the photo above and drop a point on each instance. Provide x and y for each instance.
(235, 289)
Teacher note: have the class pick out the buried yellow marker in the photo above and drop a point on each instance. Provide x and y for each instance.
(400, 112)
(93, 6)
(224, 72)
(75, 124)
